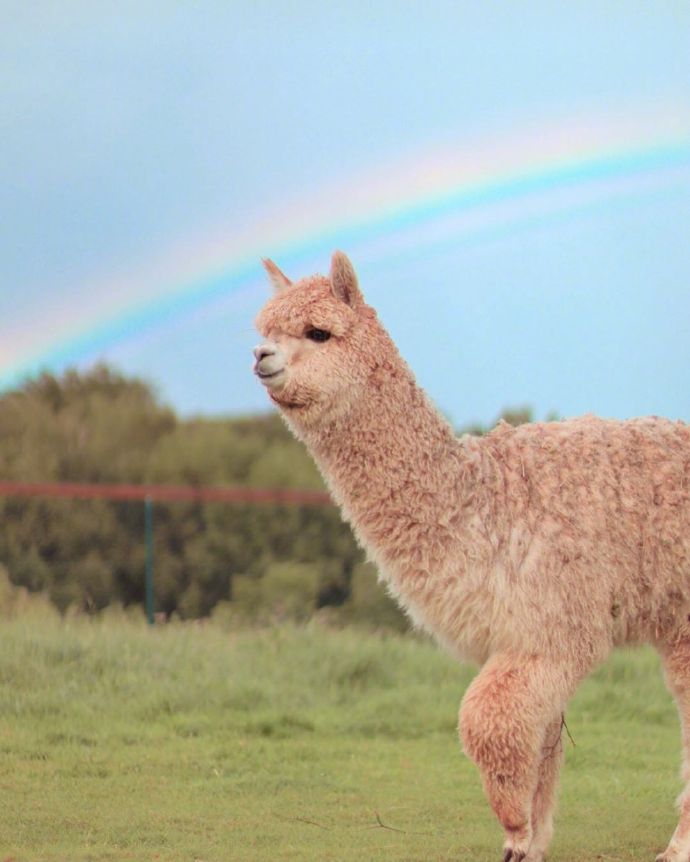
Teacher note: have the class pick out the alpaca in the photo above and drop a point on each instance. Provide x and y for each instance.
(532, 551)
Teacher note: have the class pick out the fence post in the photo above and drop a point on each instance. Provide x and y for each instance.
(148, 521)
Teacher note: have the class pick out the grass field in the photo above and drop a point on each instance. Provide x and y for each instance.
(187, 742)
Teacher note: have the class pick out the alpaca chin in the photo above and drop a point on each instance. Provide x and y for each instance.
(313, 413)
(287, 403)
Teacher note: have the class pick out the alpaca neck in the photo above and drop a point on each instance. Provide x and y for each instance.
(391, 463)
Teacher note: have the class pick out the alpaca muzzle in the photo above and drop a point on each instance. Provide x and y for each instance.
(269, 366)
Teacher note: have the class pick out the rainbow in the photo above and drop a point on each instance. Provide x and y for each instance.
(434, 201)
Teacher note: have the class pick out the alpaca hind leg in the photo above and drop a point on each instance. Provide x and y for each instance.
(676, 659)
(504, 719)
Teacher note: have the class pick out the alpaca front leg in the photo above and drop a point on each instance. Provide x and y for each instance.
(504, 719)
(544, 799)
(676, 659)
(678, 849)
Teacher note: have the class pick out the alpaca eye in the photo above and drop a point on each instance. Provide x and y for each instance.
(317, 334)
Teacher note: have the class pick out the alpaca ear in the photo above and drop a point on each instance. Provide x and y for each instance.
(278, 279)
(344, 281)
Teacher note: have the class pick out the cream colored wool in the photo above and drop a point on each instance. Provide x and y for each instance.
(532, 551)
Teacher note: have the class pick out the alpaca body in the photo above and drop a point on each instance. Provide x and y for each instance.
(581, 527)
(532, 551)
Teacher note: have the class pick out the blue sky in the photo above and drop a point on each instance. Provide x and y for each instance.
(150, 148)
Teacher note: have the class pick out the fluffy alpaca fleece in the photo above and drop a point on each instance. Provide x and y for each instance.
(532, 551)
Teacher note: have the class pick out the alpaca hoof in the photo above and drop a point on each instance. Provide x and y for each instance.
(513, 855)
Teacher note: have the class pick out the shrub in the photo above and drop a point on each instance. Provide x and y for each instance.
(369, 602)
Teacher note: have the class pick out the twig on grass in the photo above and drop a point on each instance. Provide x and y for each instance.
(310, 822)
(301, 820)
(378, 825)
(381, 825)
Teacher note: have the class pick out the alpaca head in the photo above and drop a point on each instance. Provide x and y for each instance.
(321, 343)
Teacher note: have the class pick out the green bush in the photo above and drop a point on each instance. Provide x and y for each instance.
(19, 602)
(247, 597)
(289, 591)
(369, 602)
(100, 426)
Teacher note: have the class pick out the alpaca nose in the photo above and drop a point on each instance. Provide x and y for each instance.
(263, 350)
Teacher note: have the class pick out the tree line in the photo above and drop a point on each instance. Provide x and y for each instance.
(250, 560)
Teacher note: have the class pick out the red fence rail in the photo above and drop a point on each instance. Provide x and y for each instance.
(165, 493)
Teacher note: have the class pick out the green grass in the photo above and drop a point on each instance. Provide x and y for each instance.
(187, 742)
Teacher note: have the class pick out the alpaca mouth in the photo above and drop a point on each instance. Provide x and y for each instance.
(268, 374)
